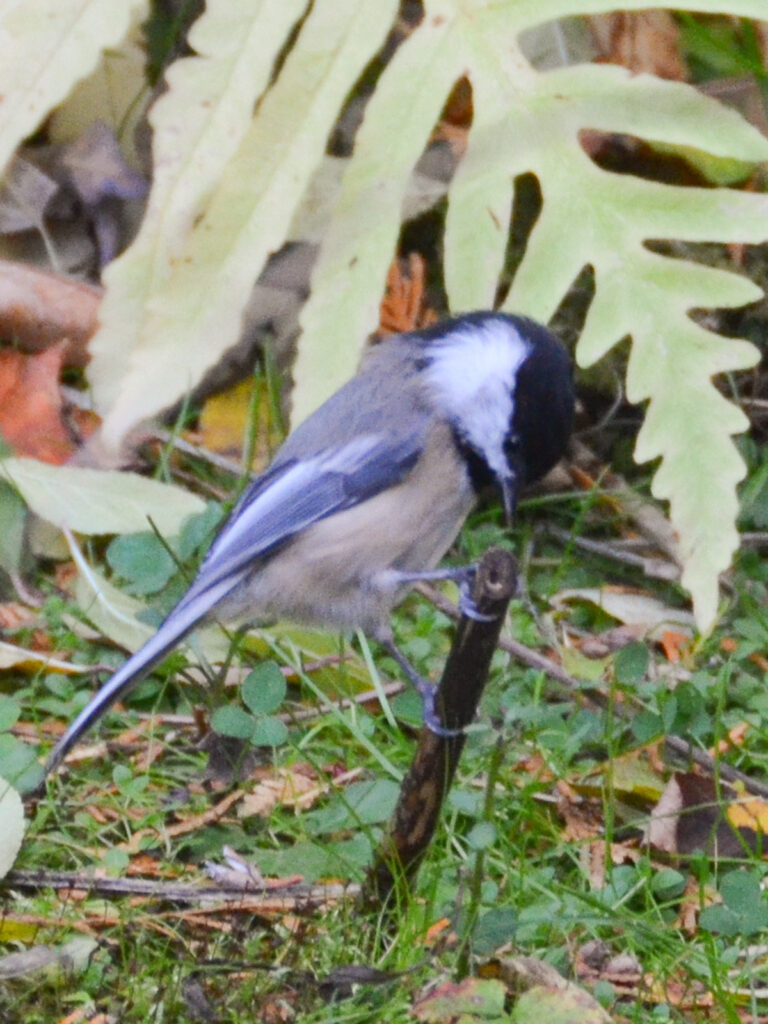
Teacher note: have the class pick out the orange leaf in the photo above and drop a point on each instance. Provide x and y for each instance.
(735, 739)
(436, 932)
(30, 405)
(404, 306)
(672, 643)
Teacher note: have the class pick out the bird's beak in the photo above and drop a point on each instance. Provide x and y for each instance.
(508, 486)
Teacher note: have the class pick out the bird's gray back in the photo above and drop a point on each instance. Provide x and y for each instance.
(367, 404)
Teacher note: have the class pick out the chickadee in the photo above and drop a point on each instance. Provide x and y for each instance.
(365, 497)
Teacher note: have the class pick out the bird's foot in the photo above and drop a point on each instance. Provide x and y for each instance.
(463, 576)
(428, 692)
(425, 689)
(467, 604)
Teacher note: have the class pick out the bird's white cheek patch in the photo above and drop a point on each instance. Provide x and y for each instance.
(475, 361)
(472, 375)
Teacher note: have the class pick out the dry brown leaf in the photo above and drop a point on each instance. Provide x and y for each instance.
(682, 992)
(749, 814)
(690, 906)
(436, 933)
(39, 309)
(146, 866)
(76, 924)
(596, 961)
(191, 824)
(14, 615)
(269, 794)
(641, 41)
(82, 1016)
(535, 765)
(595, 856)
(695, 814)
(297, 787)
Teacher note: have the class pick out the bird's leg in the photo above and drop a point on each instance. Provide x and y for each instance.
(423, 687)
(462, 575)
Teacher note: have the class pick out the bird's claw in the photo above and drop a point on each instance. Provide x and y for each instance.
(430, 716)
(425, 690)
(467, 604)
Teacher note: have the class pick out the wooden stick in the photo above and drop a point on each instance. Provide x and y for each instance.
(434, 764)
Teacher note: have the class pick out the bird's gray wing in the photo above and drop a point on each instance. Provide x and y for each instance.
(293, 495)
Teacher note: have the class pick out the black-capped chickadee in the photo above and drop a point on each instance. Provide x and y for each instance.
(365, 497)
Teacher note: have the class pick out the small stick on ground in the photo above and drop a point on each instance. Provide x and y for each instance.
(434, 764)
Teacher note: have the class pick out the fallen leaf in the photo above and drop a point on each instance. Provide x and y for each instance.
(437, 931)
(749, 814)
(93, 501)
(632, 775)
(672, 644)
(72, 956)
(286, 788)
(683, 992)
(543, 1005)
(546, 997)
(695, 814)
(224, 419)
(470, 999)
(11, 826)
(15, 616)
(631, 607)
(12, 656)
(38, 309)
(184, 826)
(735, 738)
(404, 306)
(31, 420)
(641, 41)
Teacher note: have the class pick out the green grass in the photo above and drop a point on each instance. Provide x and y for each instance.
(514, 880)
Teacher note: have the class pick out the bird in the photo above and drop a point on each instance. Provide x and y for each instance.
(366, 495)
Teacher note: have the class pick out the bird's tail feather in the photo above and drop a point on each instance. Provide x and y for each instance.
(181, 621)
